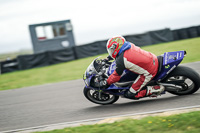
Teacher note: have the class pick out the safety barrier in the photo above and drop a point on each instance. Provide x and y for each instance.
(24, 62)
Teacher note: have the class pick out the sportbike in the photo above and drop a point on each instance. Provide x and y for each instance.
(177, 80)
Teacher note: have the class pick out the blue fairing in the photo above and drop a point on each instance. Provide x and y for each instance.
(170, 61)
(126, 75)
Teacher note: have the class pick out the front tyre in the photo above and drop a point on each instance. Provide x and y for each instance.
(99, 97)
(190, 78)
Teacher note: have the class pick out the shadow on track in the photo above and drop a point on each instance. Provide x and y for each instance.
(144, 103)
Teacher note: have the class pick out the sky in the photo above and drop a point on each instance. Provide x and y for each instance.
(93, 20)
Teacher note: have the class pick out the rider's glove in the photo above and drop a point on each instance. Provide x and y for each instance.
(109, 58)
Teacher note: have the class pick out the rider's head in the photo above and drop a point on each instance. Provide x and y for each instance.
(114, 44)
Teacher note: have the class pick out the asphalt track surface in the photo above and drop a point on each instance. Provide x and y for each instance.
(65, 102)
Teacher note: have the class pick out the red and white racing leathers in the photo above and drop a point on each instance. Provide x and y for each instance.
(138, 61)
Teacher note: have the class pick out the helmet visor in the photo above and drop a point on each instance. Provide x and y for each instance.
(111, 50)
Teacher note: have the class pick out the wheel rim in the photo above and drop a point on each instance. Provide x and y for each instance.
(104, 99)
(187, 85)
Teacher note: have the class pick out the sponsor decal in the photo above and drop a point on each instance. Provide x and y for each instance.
(166, 67)
(166, 56)
(84, 76)
(171, 69)
(171, 56)
(177, 55)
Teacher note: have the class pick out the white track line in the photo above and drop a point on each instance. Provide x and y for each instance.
(88, 121)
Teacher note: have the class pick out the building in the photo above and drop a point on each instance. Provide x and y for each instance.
(51, 36)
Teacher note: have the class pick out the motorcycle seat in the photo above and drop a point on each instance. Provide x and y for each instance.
(160, 63)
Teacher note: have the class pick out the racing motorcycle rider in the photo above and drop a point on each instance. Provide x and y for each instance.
(145, 64)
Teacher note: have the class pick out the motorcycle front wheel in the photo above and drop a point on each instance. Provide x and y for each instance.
(99, 97)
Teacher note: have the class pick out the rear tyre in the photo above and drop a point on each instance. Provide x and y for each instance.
(99, 97)
(190, 77)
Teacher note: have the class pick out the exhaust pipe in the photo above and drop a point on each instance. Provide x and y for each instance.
(171, 87)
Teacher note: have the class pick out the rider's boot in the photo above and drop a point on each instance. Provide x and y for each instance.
(130, 95)
(154, 91)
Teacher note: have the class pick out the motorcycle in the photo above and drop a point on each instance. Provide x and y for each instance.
(177, 80)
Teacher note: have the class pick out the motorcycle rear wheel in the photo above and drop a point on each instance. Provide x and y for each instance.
(105, 99)
(190, 77)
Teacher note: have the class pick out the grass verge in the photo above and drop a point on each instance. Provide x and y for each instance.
(75, 69)
(182, 123)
